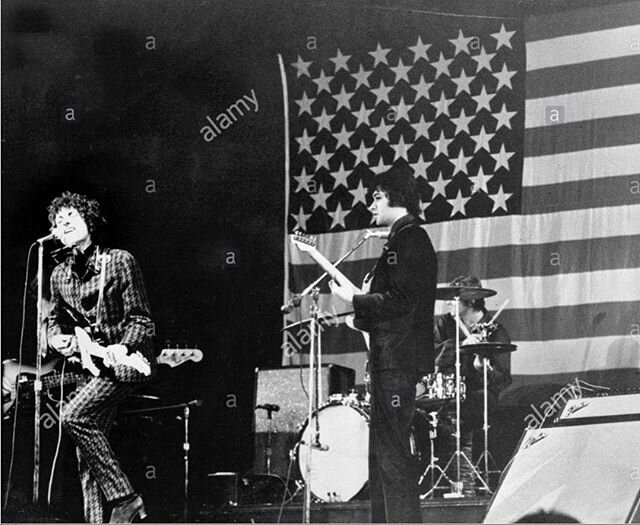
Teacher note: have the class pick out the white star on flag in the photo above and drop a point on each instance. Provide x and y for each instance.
(301, 219)
(343, 99)
(305, 104)
(323, 120)
(504, 117)
(439, 186)
(502, 158)
(420, 51)
(320, 198)
(302, 67)
(442, 106)
(359, 194)
(323, 82)
(322, 159)
(442, 65)
(381, 167)
(401, 149)
(340, 177)
(303, 180)
(462, 83)
(462, 121)
(340, 61)
(503, 37)
(422, 128)
(482, 140)
(382, 131)
(363, 115)
(304, 142)
(379, 55)
(458, 204)
(343, 137)
(420, 167)
(480, 181)
(500, 199)
(401, 110)
(461, 43)
(484, 60)
(461, 162)
(422, 88)
(441, 145)
(362, 77)
(362, 154)
(401, 71)
(382, 92)
(338, 217)
(483, 100)
(504, 77)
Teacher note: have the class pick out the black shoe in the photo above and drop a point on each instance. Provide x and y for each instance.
(128, 510)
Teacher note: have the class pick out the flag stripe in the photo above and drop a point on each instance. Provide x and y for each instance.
(496, 231)
(581, 165)
(581, 77)
(601, 133)
(576, 355)
(583, 21)
(604, 253)
(579, 195)
(583, 105)
(582, 47)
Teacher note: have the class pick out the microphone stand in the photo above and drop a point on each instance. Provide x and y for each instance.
(37, 384)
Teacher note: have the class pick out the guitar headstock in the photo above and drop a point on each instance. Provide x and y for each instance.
(304, 241)
(176, 356)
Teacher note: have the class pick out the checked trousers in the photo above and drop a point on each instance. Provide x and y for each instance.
(87, 418)
(393, 469)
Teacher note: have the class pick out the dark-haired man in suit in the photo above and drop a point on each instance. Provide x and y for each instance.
(398, 314)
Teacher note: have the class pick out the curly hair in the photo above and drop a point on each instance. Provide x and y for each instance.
(89, 210)
(400, 186)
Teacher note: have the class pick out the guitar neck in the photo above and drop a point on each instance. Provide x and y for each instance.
(328, 267)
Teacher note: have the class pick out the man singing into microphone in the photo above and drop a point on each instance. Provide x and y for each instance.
(103, 287)
(398, 314)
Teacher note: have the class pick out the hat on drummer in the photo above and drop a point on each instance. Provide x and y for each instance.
(470, 281)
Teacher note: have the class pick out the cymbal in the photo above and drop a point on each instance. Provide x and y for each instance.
(488, 349)
(466, 293)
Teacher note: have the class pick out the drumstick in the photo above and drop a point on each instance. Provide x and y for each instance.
(499, 311)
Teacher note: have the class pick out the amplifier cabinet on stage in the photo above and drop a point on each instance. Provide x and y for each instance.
(585, 466)
(287, 387)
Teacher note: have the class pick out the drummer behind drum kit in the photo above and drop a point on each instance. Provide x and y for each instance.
(340, 449)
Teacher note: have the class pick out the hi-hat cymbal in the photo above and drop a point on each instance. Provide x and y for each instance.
(465, 293)
(488, 349)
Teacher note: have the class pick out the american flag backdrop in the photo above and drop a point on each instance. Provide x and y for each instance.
(524, 145)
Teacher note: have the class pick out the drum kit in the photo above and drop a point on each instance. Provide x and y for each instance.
(333, 448)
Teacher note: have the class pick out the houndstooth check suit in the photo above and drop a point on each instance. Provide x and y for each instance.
(125, 318)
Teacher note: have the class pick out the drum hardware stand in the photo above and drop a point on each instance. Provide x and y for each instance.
(186, 409)
(458, 454)
(433, 466)
(486, 455)
(268, 450)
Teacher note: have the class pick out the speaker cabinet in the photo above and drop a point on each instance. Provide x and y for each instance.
(584, 467)
(287, 387)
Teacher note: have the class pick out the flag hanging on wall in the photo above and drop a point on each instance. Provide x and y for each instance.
(522, 203)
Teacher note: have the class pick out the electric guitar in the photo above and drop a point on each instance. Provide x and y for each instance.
(16, 381)
(307, 243)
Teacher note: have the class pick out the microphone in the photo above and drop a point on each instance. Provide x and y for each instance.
(378, 234)
(317, 446)
(46, 238)
(195, 403)
(294, 302)
(269, 407)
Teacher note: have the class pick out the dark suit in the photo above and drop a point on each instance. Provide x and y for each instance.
(398, 314)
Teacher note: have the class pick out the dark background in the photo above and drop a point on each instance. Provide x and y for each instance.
(178, 203)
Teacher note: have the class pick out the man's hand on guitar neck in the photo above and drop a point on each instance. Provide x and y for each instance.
(344, 291)
(64, 343)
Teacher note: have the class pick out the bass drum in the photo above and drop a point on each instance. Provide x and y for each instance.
(340, 463)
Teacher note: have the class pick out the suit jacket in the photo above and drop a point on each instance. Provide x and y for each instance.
(398, 310)
(125, 316)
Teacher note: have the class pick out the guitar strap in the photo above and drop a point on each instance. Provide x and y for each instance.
(102, 257)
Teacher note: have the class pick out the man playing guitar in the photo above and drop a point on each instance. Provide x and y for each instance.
(105, 288)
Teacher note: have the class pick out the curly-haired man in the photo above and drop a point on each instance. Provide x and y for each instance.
(104, 289)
